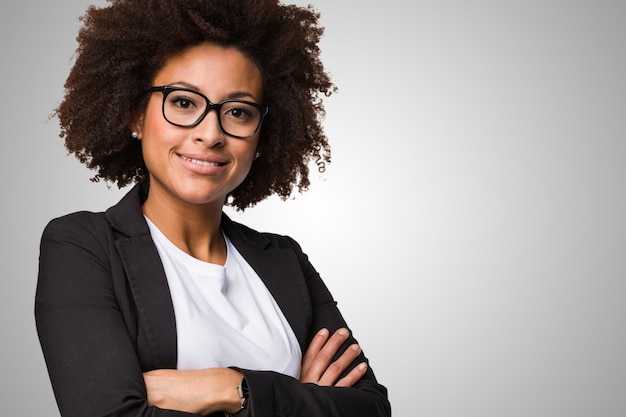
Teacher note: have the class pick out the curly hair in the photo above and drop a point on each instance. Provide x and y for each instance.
(123, 45)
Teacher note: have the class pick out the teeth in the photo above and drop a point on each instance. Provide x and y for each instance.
(202, 163)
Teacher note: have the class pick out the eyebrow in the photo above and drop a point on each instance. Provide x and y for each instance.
(233, 95)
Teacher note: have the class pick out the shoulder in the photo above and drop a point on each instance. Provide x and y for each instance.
(257, 247)
(123, 219)
(81, 228)
(242, 234)
(77, 242)
(77, 223)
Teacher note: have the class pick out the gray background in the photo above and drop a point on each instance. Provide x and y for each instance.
(471, 225)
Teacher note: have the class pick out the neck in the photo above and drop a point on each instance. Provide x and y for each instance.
(194, 228)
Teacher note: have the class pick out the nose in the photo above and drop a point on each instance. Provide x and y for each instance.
(208, 131)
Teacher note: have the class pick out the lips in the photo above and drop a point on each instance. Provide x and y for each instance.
(203, 161)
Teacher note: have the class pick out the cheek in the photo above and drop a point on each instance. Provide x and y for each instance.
(246, 157)
(152, 119)
(156, 142)
(158, 133)
(250, 151)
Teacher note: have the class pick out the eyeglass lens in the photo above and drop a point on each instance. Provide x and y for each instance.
(186, 108)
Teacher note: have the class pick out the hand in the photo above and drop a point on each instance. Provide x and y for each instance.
(317, 365)
(198, 391)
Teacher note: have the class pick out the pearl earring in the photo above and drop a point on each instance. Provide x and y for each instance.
(257, 155)
(134, 134)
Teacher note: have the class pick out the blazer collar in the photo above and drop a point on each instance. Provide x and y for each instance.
(126, 216)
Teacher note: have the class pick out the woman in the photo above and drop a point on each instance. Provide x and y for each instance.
(163, 306)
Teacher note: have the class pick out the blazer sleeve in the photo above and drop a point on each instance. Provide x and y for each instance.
(85, 338)
(272, 394)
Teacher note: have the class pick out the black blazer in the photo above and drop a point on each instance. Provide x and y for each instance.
(104, 316)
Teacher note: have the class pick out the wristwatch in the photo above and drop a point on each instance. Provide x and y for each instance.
(242, 390)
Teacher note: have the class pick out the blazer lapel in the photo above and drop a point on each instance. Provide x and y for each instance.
(147, 282)
(279, 270)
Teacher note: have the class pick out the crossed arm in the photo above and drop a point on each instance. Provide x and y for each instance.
(208, 390)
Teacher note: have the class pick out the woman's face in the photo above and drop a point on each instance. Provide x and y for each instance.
(200, 164)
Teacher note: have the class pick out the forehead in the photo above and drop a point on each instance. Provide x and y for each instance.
(213, 70)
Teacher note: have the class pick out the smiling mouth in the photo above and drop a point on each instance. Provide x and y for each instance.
(202, 163)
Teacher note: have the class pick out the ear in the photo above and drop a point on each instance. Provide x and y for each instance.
(136, 127)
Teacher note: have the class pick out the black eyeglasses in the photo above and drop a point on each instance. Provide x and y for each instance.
(187, 108)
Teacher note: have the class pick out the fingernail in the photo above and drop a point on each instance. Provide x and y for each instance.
(322, 332)
(343, 331)
(362, 366)
(355, 347)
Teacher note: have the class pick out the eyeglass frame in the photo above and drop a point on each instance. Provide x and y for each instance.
(167, 89)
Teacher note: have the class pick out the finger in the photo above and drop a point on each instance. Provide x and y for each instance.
(316, 345)
(335, 369)
(353, 376)
(333, 344)
(322, 359)
(320, 354)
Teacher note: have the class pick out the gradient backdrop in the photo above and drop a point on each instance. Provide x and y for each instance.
(471, 226)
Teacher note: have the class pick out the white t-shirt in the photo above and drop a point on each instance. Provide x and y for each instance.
(225, 315)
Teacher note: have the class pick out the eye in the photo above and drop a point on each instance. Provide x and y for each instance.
(240, 111)
(183, 102)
